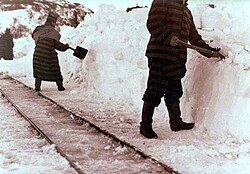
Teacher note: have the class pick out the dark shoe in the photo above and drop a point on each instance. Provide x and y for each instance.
(38, 89)
(177, 125)
(147, 120)
(61, 88)
(148, 132)
(59, 84)
(38, 83)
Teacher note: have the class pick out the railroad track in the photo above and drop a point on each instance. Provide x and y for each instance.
(87, 147)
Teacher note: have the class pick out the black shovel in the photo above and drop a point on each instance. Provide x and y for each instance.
(79, 52)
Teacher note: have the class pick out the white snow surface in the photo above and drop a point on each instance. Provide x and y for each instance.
(216, 93)
(21, 152)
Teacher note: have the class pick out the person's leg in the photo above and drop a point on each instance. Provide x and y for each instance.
(152, 98)
(172, 101)
(38, 83)
(146, 120)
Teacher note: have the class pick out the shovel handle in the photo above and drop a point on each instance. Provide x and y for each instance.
(203, 50)
(72, 48)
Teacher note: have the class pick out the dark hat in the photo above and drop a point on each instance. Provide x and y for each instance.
(52, 17)
(7, 30)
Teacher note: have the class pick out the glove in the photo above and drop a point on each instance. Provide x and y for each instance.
(215, 52)
(67, 46)
(215, 49)
(174, 41)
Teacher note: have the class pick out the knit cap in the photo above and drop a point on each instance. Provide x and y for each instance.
(52, 17)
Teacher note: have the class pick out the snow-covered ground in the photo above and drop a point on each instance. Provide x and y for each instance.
(216, 94)
(21, 152)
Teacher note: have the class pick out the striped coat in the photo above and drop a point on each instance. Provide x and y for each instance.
(6, 46)
(45, 59)
(168, 18)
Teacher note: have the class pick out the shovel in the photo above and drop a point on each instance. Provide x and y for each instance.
(202, 50)
(79, 52)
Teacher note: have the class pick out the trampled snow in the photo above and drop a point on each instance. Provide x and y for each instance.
(216, 93)
(22, 152)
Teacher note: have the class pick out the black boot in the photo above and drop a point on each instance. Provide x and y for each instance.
(175, 121)
(59, 84)
(177, 125)
(38, 83)
(147, 120)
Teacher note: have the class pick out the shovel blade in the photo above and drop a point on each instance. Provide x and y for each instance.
(80, 52)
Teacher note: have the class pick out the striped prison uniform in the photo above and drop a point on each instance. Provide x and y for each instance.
(168, 18)
(6, 46)
(45, 60)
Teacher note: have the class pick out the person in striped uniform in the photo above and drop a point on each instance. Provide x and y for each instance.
(168, 21)
(45, 59)
(6, 45)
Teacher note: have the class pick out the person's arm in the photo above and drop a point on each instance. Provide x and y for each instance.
(156, 23)
(33, 33)
(11, 42)
(196, 39)
(36, 33)
(60, 46)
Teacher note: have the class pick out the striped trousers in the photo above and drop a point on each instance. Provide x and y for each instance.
(164, 81)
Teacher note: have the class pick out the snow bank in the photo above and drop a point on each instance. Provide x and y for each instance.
(217, 93)
(115, 67)
(217, 97)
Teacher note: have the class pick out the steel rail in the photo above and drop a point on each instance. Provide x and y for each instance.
(34, 126)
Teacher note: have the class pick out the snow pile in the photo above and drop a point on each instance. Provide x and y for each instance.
(115, 67)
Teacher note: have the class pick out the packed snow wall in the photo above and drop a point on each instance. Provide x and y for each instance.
(217, 93)
(217, 97)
